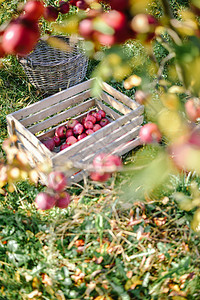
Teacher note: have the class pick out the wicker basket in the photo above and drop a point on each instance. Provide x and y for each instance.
(50, 69)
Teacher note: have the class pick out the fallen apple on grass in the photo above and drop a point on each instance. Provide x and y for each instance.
(63, 200)
(45, 201)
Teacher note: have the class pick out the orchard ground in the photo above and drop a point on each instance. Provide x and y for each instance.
(100, 247)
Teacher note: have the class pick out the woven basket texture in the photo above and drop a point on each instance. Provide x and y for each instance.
(50, 69)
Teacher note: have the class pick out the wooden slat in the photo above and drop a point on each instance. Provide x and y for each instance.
(62, 116)
(121, 150)
(114, 103)
(107, 139)
(109, 111)
(75, 148)
(124, 148)
(35, 107)
(30, 137)
(110, 147)
(30, 148)
(58, 107)
(116, 94)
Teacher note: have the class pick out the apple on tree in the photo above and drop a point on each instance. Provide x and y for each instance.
(57, 181)
(100, 163)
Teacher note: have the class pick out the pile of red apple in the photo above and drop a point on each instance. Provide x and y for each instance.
(74, 131)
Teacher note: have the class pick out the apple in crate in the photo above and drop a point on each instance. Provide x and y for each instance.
(63, 200)
(96, 127)
(57, 181)
(61, 131)
(44, 201)
(91, 118)
(81, 136)
(97, 116)
(88, 124)
(69, 132)
(71, 140)
(64, 146)
(71, 123)
(89, 131)
(49, 143)
(102, 113)
(57, 141)
(104, 122)
(78, 129)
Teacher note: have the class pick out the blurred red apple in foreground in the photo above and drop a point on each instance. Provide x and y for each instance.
(34, 9)
(192, 108)
(150, 133)
(57, 181)
(185, 153)
(44, 201)
(20, 37)
(63, 200)
(101, 162)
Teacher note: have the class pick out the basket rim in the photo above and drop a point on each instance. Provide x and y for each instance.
(27, 61)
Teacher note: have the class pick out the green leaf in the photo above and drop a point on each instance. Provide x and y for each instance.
(102, 27)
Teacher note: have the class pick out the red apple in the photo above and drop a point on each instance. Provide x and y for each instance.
(86, 28)
(61, 131)
(71, 140)
(102, 113)
(49, 143)
(20, 37)
(88, 124)
(96, 127)
(91, 118)
(57, 181)
(44, 201)
(69, 132)
(81, 136)
(97, 116)
(150, 133)
(63, 200)
(63, 7)
(194, 138)
(34, 9)
(78, 129)
(2, 52)
(104, 122)
(71, 123)
(192, 108)
(57, 141)
(81, 4)
(72, 2)
(89, 131)
(50, 13)
(120, 5)
(83, 120)
(185, 152)
(63, 146)
(102, 161)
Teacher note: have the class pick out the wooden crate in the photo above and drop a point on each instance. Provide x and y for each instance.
(40, 119)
